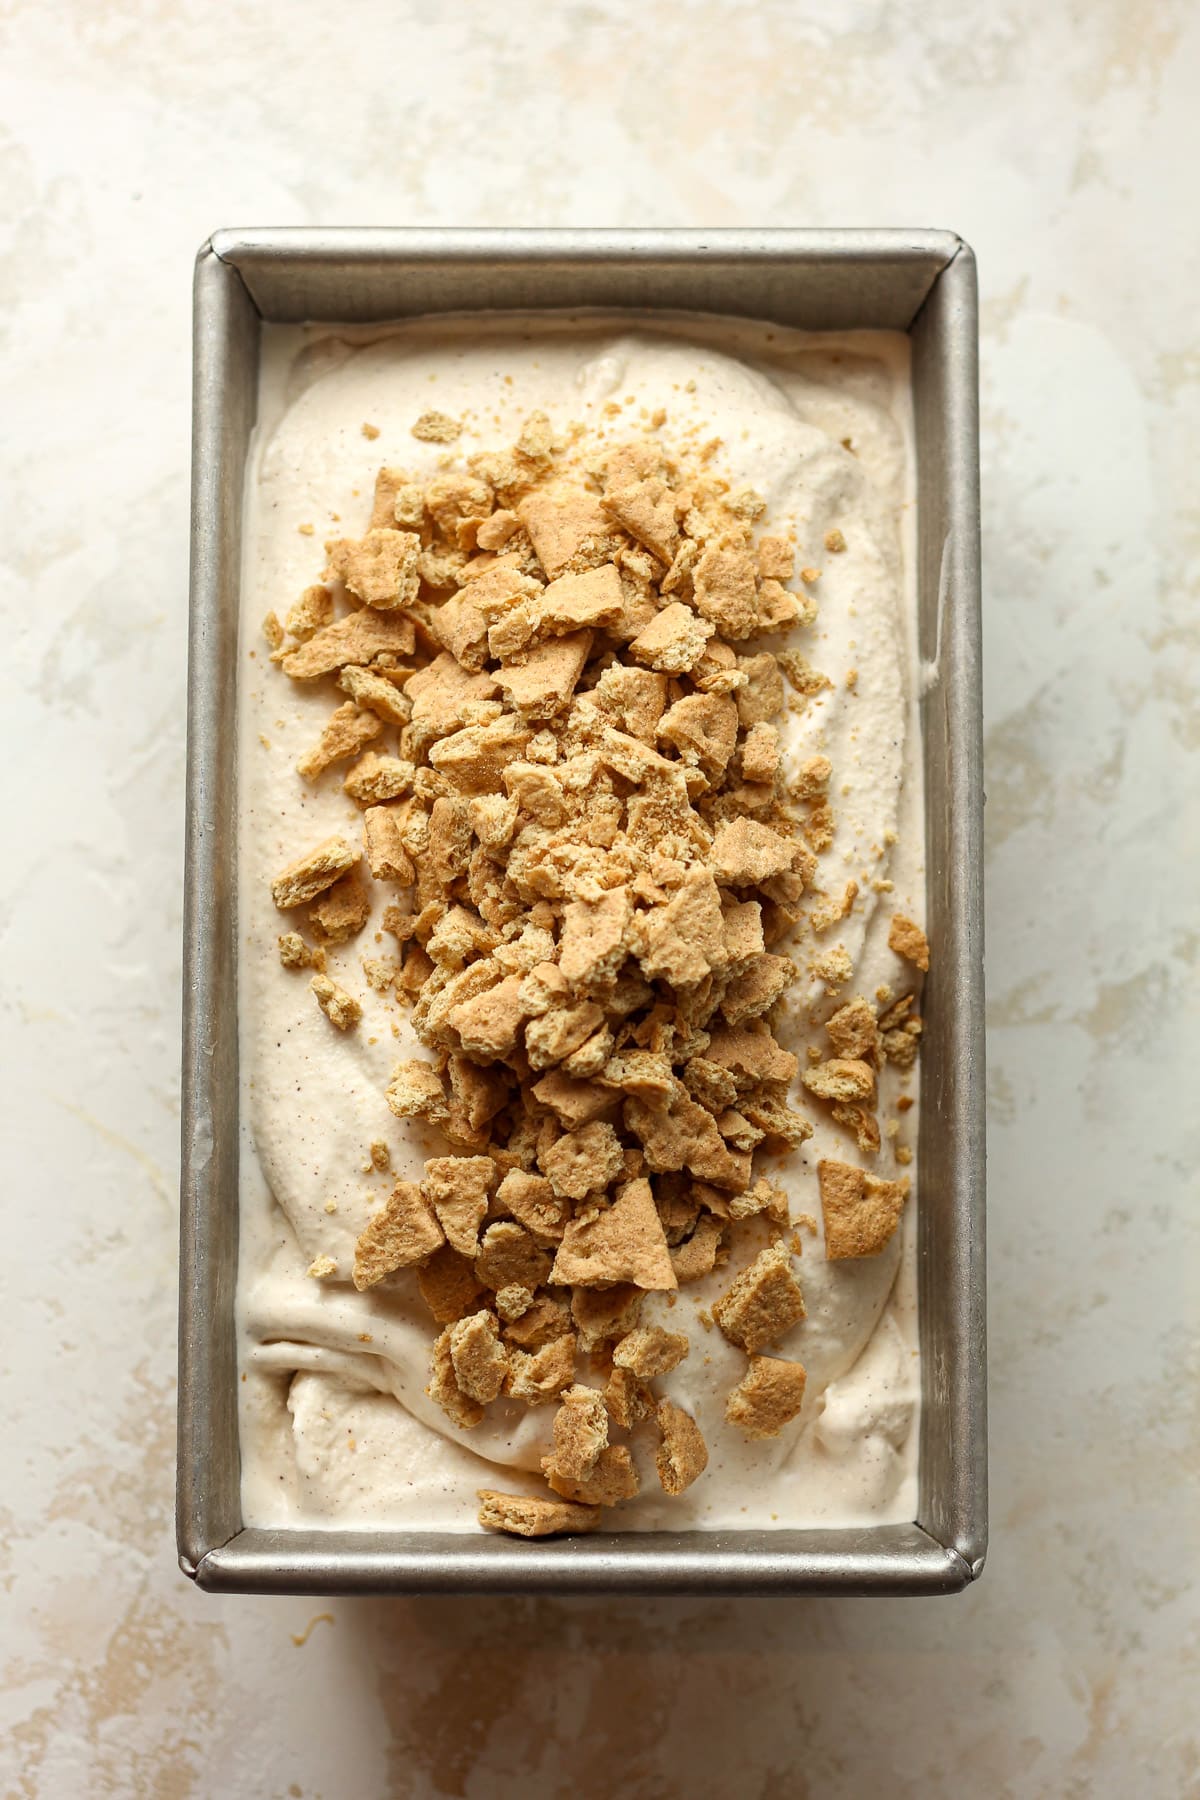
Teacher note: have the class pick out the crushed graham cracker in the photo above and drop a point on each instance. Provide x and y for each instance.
(568, 767)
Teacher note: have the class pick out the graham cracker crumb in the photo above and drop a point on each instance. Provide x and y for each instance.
(769, 1395)
(436, 428)
(763, 1303)
(860, 1212)
(405, 1232)
(682, 1454)
(650, 1351)
(321, 1268)
(339, 1007)
(908, 940)
(523, 1516)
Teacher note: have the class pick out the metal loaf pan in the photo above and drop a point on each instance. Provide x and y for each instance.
(922, 282)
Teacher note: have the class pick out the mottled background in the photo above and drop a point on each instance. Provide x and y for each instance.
(1062, 140)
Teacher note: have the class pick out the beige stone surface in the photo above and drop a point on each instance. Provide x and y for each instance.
(1059, 142)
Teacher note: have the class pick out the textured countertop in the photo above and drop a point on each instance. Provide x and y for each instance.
(1061, 142)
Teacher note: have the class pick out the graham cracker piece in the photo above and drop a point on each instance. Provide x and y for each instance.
(273, 631)
(573, 1103)
(342, 910)
(761, 698)
(841, 1078)
(860, 1212)
(685, 1136)
(761, 753)
(568, 528)
(776, 558)
(509, 1256)
(339, 1007)
(344, 734)
(602, 1315)
(447, 1284)
(321, 1268)
(478, 1357)
(542, 685)
(756, 990)
(405, 1232)
(523, 1516)
(294, 953)
(613, 1479)
(752, 1056)
(312, 611)
(533, 1203)
(628, 1399)
(646, 510)
(358, 638)
(831, 911)
(908, 940)
(634, 699)
(387, 858)
(725, 588)
(649, 1351)
(684, 940)
(696, 1257)
(435, 427)
(860, 1122)
(854, 1031)
(375, 779)
(682, 1454)
(415, 1091)
(579, 1434)
(674, 640)
(540, 1376)
(458, 1188)
(313, 872)
(574, 602)
(487, 1024)
(396, 501)
(620, 1242)
(559, 1031)
(583, 1162)
(443, 1387)
(763, 1303)
(495, 531)
(380, 568)
(545, 1321)
(746, 853)
(375, 693)
(592, 945)
(769, 1395)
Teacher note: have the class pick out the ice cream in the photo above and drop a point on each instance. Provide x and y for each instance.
(336, 1426)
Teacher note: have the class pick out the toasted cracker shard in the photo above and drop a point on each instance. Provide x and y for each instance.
(860, 1212)
(763, 1303)
(443, 1387)
(613, 1479)
(908, 940)
(340, 1008)
(682, 1454)
(380, 569)
(580, 1433)
(674, 640)
(620, 1242)
(405, 1232)
(841, 1078)
(435, 427)
(523, 1515)
(359, 639)
(342, 910)
(769, 1395)
(649, 1351)
(313, 872)
(446, 1283)
(458, 1188)
(478, 1357)
(346, 732)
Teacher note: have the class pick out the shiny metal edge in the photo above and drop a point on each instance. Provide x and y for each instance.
(923, 281)
(296, 274)
(315, 1562)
